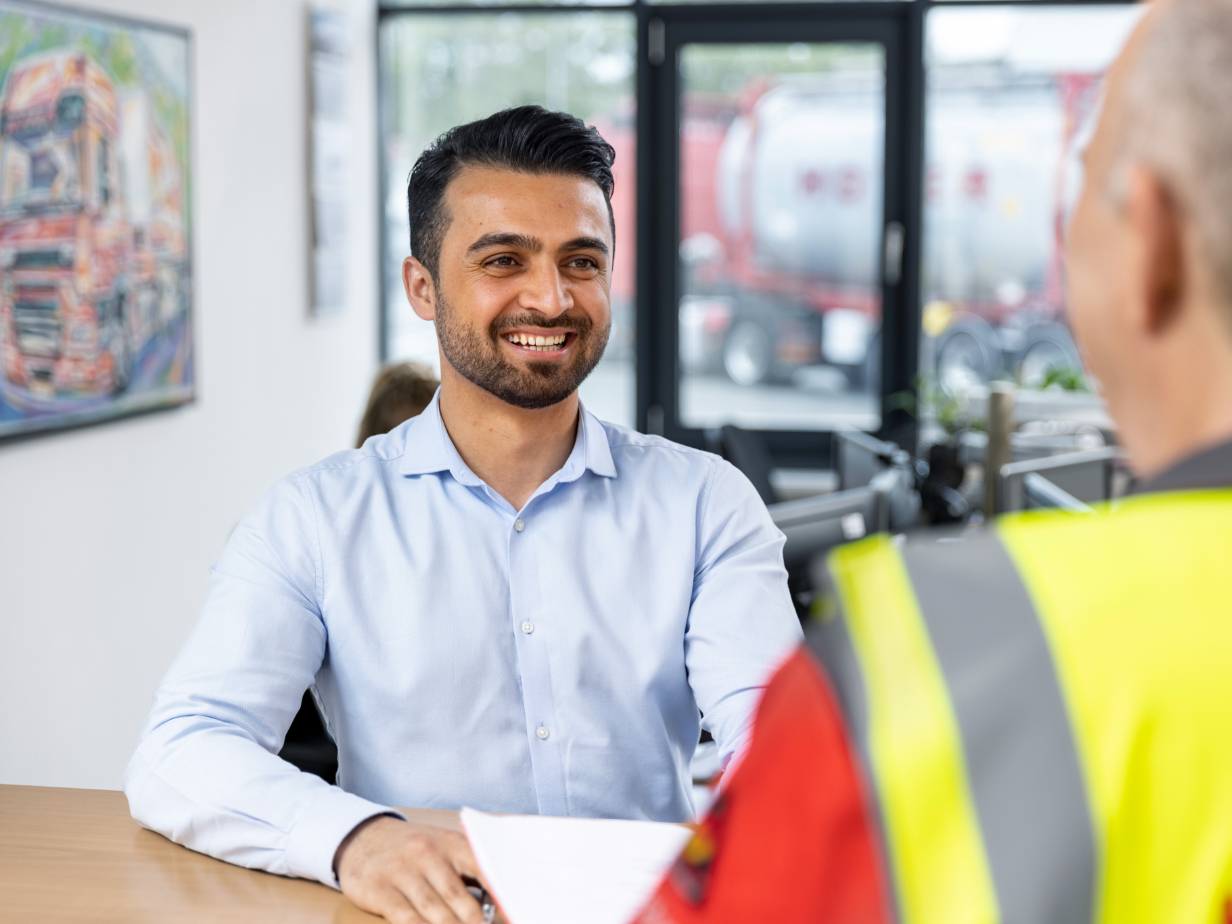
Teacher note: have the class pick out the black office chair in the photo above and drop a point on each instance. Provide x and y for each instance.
(746, 449)
(308, 745)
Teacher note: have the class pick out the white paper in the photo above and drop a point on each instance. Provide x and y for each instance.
(545, 870)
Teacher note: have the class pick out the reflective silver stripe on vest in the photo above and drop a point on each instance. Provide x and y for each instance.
(1020, 753)
(830, 643)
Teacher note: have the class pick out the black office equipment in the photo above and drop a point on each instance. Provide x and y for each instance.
(889, 502)
(877, 492)
(815, 524)
(858, 457)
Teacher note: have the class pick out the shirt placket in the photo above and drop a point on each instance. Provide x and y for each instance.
(545, 737)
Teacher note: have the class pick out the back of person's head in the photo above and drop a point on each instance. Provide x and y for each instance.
(526, 139)
(1178, 124)
(399, 393)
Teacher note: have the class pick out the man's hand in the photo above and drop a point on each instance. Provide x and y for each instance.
(409, 874)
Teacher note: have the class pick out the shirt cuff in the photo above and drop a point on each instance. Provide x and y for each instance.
(315, 839)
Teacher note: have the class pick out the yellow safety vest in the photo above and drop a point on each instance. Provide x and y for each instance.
(1044, 710)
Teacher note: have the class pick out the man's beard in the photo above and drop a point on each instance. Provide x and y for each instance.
(540, 384)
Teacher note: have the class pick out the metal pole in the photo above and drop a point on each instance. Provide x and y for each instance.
(1000, 426)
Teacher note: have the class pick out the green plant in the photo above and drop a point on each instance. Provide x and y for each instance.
(1066, 378)
(947, 410)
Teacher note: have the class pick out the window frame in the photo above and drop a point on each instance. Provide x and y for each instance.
(900, 26)
(658, 373)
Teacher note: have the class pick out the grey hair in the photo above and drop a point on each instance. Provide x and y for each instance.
(1178, 122)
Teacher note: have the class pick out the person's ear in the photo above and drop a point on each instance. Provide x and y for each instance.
(1156, 222)
(420, 289)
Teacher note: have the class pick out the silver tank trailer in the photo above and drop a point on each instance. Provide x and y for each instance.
(799, 190)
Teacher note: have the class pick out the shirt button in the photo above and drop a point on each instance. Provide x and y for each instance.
(528, 627)
(519, 525)
(541, 732)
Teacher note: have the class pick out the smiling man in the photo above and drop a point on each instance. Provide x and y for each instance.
(504, 602)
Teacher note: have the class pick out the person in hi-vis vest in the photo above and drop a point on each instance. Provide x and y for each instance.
(1033, 722)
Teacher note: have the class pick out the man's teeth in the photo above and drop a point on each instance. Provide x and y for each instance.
(538, 341)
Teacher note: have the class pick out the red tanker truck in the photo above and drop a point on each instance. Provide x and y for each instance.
(93, 255)
(781, 227)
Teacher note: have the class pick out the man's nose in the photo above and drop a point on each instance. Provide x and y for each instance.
(546, 291)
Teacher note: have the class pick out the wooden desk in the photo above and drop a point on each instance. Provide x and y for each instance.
(77, 855)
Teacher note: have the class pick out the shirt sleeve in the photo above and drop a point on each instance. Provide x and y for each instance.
(742, 623)
(206, 771)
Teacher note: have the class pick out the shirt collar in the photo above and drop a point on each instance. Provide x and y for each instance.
(1206, 468)
(428, 449)
(593, 436)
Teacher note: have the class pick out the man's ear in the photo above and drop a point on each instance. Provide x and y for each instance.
(420, 289)
(1156, 222)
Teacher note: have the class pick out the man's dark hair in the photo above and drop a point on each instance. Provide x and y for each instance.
(526, 139)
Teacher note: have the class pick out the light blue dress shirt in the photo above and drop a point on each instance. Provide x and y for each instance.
(550, 660)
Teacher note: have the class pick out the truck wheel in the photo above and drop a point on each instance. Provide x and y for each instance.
(967, 354)
(748, 353)
(1048, 347)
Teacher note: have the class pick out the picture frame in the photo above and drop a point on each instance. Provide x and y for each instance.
(96, 292)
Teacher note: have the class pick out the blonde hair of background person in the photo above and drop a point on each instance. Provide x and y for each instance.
(400, 392)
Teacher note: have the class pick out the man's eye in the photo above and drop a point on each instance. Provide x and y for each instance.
(583, 263)
(501, 261)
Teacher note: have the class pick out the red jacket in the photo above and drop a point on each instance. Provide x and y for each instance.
(791, 838)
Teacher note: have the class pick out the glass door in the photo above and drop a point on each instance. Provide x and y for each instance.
(779, 233)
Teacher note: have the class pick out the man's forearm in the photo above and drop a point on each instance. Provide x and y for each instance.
(211, 787)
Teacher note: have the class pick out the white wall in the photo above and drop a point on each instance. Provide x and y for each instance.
(107, 533)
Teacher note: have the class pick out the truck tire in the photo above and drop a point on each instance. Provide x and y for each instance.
(1047, 346)
(968, 353)
(748, 353)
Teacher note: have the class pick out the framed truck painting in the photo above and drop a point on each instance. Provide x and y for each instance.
(95, 218)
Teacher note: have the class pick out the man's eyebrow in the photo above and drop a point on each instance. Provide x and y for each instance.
(584, 243)
(506, 239)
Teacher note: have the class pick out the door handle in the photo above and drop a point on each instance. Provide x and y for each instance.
(895, 238)
(656, 42)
